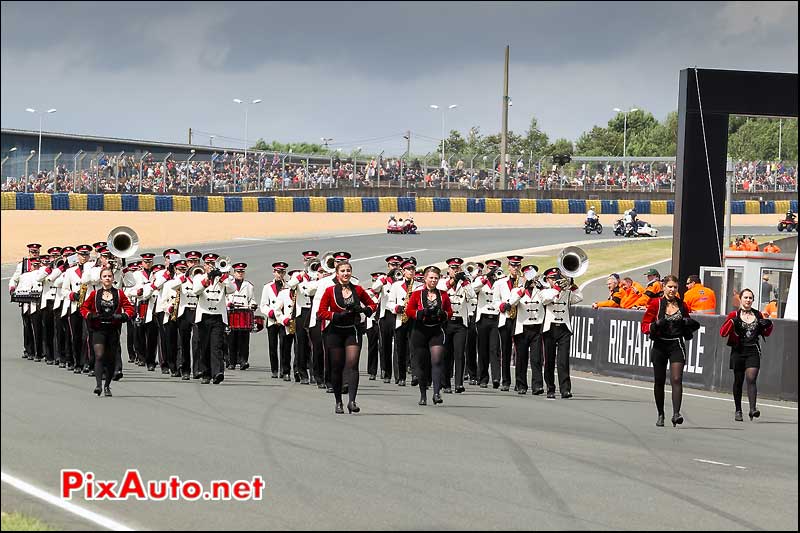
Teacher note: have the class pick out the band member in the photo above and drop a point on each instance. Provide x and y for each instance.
(47, 277)
(506, 317)
(283, 311)
(528, 332)
(471, 358)
(431, 310)
(151, 293)
(486, 319)
(185, 315)
(743, 327)
(557, 330)
(211, 318)
(75, 292)
(130, 333)
(192, 260)
(167, 329)
(317, 288)
(398, 297)
(386, 317)
(303, 309)
(30, 283)
(460, 292)
(23, 267)
(104, 310)
(668, 324)
(67, 358)
(340, 313)
(373, 334)
(268, 295)
(146, 330)
(241, 300)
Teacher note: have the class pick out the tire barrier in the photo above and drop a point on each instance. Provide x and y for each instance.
(610, 342)
(356, 204)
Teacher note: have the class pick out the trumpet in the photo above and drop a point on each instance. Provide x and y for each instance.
(395, 274)
(495, 274)
(195, 271)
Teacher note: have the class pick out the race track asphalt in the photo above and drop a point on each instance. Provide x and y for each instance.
(482, 460)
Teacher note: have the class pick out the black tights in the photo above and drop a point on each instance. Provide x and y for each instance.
(344, 362)
(752, 389)
(103, 362)
(436, 366)
(676, 381)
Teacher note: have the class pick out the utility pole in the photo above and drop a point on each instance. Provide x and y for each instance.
(190, 135)
(408, 143)
(504, 138)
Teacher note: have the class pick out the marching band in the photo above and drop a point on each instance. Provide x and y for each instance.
(194, 314)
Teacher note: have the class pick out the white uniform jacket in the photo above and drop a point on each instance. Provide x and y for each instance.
(268, 296)
(530, 310)
(242, 297)
(306, 281)
(283, 308)
(71, 284)
(556, 306)
(398, 299)
(503, 295)
(460, 296)
(381, 288)
(211, 296)
(488, 297)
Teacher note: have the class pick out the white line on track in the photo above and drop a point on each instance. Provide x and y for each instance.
(711, 462)
(384, 255)
(91, 516)
(685, 393)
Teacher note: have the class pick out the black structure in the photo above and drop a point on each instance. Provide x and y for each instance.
(722, 93)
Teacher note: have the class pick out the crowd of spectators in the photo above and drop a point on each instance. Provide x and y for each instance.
(235, 173)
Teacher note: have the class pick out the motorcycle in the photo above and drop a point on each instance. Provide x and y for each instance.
(593, 225)
(787, 225)
(619, 227)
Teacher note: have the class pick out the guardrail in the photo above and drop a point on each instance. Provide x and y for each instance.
(339, 204)
(610, 342)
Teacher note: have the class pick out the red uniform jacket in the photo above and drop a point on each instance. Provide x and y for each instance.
(123, 306)
(728, 330)
(655, 311)
(328, 304)
(415, 304)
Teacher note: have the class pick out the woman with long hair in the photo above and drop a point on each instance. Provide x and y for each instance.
(340, 313)
(669, 326)
(105, 310)
(431, 309)
(743, 327)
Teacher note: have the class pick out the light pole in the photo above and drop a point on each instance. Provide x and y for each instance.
(444, 110)
(625, 139)
(252, 102)
(41, 115)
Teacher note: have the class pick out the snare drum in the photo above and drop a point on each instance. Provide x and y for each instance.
(241, 319)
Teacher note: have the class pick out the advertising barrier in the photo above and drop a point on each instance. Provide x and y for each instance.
(610, 342)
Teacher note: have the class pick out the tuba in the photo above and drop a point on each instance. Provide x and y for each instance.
(395, 274)
(123, 242)
(313, 265)
(328, 263)
(470, 269)
(572, 262)
(224, 264)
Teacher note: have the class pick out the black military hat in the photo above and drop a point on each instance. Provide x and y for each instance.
(409, 264)
(83, 249)
(99, 244)
(515, 260)
(181, 263)
(54, 250)
(148, 256)
(342, 256)
(194, 254)
(210, 257)
(34, 246)
(280, 265)
(170, 251)
(310, 253)
(239, 267)
(552, 273)
(455, 261)
(492, 263)
(394, 259)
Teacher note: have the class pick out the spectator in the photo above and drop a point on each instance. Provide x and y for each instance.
(614, 294)
(699, 299)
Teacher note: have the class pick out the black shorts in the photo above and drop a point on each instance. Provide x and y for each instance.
(336, 337)
(745, 357)
(423, 336)
(667, 351)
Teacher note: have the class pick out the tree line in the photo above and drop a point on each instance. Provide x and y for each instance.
(749, 139)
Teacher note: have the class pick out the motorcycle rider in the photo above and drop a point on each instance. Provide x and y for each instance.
(591, 217)
(790, 216)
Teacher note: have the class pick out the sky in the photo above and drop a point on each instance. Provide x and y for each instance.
(365, 73)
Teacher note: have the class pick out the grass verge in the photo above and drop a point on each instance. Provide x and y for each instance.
(604, 259)
(20, 522)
